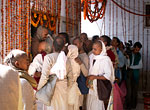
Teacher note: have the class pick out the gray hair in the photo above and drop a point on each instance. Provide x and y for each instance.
(13, 56)
(39, 32)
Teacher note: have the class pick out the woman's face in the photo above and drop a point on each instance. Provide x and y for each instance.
(97, 49)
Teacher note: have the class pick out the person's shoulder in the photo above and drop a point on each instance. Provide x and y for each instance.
(7, 70)
(83, 56)
(52, 55)
(106, 59)
(38, 56)
(24, 82)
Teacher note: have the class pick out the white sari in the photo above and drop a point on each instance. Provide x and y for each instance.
(73, 91)
(102, 67)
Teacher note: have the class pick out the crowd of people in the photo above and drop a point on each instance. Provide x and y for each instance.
(71, 60)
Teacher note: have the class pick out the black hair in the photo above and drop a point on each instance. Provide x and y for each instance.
(77, 38)
(84, 34)
(118, 40)
(137, 44)
(95, 38)
(58, 44)
(99, 43)
(65, 35)
(106, 39)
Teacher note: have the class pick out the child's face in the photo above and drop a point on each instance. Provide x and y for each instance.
(96, 49)
(23, 63)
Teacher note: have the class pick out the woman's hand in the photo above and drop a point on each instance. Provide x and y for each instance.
(78, 60)
(91, 77)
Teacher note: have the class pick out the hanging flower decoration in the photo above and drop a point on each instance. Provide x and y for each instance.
(94, 9)
(46, 19)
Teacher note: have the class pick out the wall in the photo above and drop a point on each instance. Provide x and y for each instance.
(126, 26)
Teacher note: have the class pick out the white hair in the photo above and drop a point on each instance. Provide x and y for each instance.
(14, 54)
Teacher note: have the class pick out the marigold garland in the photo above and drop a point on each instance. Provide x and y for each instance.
(16, 29)
(97, 13)
(48, 18)
(2, 11)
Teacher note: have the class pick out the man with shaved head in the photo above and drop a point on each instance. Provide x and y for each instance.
(55, 59)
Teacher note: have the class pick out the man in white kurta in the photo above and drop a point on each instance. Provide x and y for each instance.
(59, 100)
(101, 69)
(10, 93)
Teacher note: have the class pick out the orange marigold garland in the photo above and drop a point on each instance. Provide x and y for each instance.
(8, 26)
(33, 22)
(2, 11)
(6, 8)
(97, 13)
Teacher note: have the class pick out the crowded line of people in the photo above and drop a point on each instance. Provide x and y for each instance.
(71, 60)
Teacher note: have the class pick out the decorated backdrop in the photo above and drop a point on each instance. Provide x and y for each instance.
(18, 16)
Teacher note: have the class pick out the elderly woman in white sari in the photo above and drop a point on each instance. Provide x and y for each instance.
(100, 68)
(10, 93)
(73, 91)
(18, 60)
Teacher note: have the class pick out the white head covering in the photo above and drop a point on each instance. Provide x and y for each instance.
(13, 54)
(59, 67)
(101, 56)
(103, 52)
(72, 54)
(72, 51)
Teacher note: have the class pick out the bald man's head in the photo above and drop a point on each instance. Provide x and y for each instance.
(58, 44)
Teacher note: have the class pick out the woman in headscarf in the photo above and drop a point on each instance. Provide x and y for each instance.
(73, 91)
(18, 60)
(101, 67)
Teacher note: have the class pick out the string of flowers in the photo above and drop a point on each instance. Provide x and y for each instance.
(27, 25)
(19, 24)
(6, 18)
(97, 13)
(11, 25)
(16, 24)
(2, 11)
(8, 26)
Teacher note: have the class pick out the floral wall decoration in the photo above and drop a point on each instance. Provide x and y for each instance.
(46, 13)
(94, 9)
(15, 26)
(17, 17)
(45, 19)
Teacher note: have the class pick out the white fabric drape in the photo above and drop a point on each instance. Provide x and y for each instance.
(102, 67)
(59, 67)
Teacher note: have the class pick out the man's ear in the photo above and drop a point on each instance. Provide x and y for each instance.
(17, 64)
